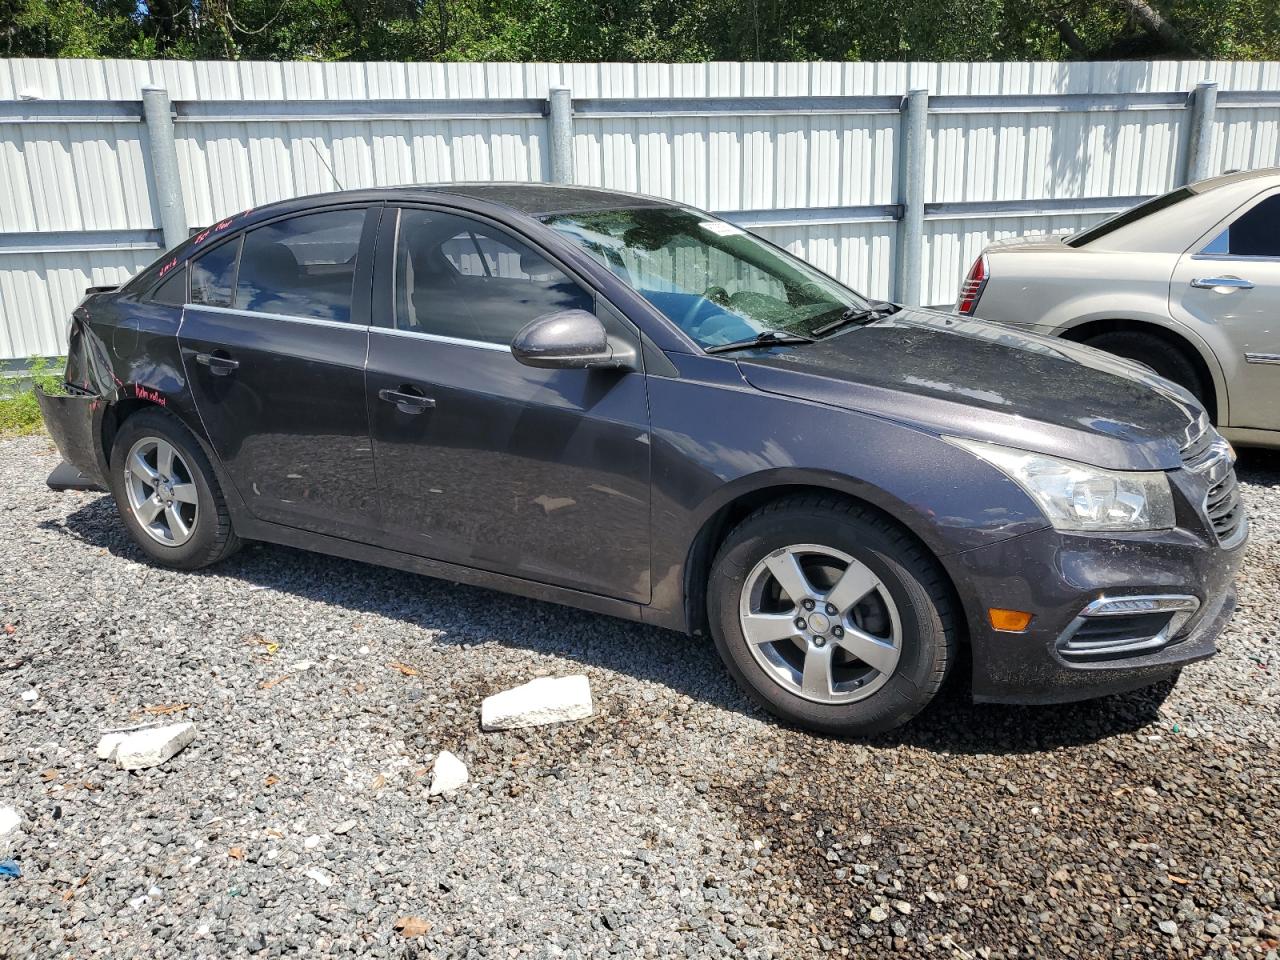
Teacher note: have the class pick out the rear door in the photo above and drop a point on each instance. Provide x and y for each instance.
(537, 473)
(1229, 287)
(274, 340)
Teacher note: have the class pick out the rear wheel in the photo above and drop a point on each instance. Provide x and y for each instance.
(831, 616)
(167, 494)
(1159, 355)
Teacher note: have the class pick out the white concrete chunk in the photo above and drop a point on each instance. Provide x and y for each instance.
(107, 745)
(447, 773)
(10, 820)
(139, 749)
(541, 701)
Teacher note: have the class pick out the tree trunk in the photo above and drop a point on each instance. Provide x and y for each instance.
(1154, 23)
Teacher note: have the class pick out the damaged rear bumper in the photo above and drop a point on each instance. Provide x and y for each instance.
(74, 421)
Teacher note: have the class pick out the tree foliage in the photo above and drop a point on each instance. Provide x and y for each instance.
(643, 30)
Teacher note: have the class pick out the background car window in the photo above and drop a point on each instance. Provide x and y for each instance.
(173, 292)
(302, 267)
(213, 275)
(460, 278)
(1255, 234)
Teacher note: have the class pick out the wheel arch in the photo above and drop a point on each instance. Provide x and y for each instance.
(744, 501)
(1195, 355)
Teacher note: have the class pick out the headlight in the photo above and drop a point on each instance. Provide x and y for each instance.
(1076, 496)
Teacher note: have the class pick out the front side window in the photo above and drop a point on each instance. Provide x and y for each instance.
(1256, 233)
(714, 280)
(461, 278)
(213, 275)
(302, 267)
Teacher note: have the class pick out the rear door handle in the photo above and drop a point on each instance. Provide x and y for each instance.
(406, 398)
(219, 365)
(1219, 283)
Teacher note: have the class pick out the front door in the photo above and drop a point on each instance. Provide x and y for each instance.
(1229, 288)
(274, 345)
(541, 474)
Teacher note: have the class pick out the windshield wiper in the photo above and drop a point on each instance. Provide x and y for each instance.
(859, 315)
(765, 338)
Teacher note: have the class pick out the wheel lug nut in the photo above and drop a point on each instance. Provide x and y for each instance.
(808, 604)
(838, 631)
(800, 624)
(831, 609)
(819, 641)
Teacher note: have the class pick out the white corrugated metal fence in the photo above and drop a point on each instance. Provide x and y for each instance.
(808, 154)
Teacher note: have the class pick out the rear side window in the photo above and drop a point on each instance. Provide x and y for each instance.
(213, 275)
(462, 278)
(1256, 233)
(303, 266)
(173, 292)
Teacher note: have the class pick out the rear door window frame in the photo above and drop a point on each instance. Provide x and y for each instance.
(1225, 224)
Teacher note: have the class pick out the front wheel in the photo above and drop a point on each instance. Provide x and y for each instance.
(831, 616)
(167, 494)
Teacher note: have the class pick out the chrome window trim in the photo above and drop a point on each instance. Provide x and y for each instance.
(1234, 258)
(441, 338)
(315, 321)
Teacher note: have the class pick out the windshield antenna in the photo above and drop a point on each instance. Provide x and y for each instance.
(320, 157)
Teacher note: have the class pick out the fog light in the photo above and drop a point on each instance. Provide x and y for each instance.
(1010, 621)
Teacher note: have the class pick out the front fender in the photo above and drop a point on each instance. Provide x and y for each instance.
(714, 444)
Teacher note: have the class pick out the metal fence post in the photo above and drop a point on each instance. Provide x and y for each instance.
(561, 130)
(912, 142)
(1204, 103)
(158, 113)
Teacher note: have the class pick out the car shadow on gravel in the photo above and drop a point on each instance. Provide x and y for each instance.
(458, 614)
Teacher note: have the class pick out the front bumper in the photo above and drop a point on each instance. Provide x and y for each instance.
(1057, 576)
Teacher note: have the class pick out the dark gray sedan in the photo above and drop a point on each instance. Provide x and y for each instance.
(634, 407)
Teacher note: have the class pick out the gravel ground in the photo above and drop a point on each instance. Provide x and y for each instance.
(676, 822)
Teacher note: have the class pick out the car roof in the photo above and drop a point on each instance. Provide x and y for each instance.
(542, 199)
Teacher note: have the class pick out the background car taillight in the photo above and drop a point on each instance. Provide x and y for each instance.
(973, 284)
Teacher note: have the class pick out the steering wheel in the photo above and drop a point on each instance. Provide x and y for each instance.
(716, 294)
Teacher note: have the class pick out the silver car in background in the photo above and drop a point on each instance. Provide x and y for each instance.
(1187, 283)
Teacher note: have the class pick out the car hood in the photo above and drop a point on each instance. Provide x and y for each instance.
(961, 377)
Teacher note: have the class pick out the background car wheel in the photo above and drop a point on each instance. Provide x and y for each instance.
(831, 616)
(167, 493)
(1164, 358)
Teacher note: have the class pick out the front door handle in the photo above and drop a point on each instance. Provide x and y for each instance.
(219, 364)
(1225, 284)
(406, 398)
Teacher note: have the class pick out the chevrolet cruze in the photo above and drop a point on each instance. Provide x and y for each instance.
(633, 407)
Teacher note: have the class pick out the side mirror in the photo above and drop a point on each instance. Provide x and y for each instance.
(570, 339)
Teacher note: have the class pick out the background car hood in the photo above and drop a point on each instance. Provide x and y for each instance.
(961, 377)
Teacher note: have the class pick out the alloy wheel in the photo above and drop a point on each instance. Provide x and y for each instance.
(162, 491)
(820, 624)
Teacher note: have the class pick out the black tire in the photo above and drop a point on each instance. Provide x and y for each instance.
(211, 537)
(1158, 355)
(903, 566)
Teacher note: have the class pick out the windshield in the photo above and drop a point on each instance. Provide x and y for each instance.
(714, 280)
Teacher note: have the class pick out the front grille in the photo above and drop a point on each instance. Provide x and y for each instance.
(1224, 507)
(1207, 454)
